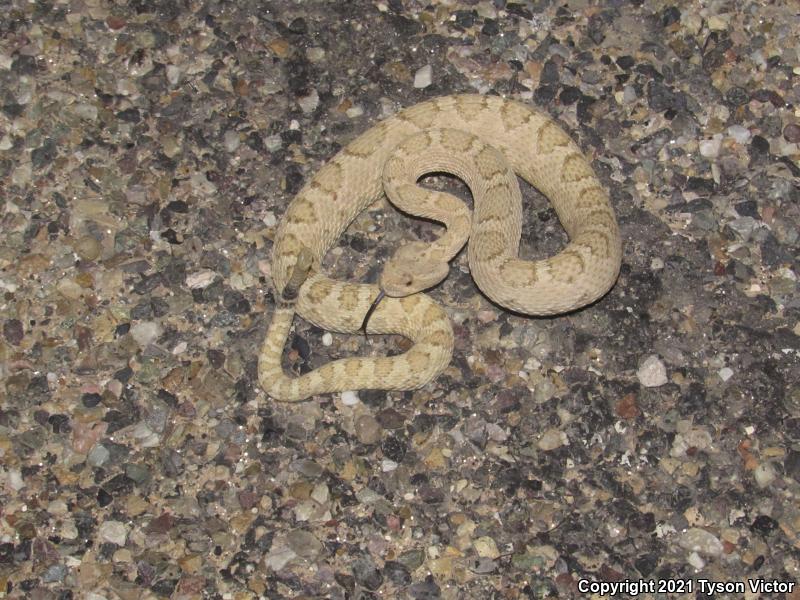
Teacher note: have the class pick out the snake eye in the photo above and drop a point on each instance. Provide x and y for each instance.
(409, 281)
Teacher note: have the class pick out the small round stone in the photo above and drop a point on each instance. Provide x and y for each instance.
(791, 133)
(349, 398)
(652, 372)
(87, 247)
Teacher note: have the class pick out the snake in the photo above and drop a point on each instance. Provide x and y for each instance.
(486, 141)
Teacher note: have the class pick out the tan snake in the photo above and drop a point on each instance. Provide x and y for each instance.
(483, 140)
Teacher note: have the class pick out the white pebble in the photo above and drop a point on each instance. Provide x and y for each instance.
(201, 279)
(15, 481)
(231, 140)
(725, 373)
(388, 465)
(84, 110)
(710, 148)
(552, 439)
(273, 142)
(349, 398)
(739, 133)
(652, 373)
(701, 541)
(696, 561)
(146, 332)
(629, 94)
(764, 474)
(308, 104)
(423, 77)
(327, 339)
(354, 111)
(269, 219)
(320, 493)
(114, 532)
(173, 74)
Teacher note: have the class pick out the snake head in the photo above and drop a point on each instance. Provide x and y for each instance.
(410, 270)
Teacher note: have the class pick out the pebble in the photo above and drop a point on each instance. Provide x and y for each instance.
(652, 372)
(710, 148)
(87, 247)
(725, 373)
(740, 134)
(764, 474)
(298, 25)
(791, 133)
(486, 547)
(743, 226)
(389, 418)
(200, 280)
(279, 557)
(57, 507)
(308, 104)
(303, 543)
(368, 430)
(366, 573)
(69, 289)
(388, 465)
(146, 332)
(350, 398)
(696, 561)
(701, 541)
(670, 15)
(695, 437)
(273, 143)
(320, 493)
(315, 54)
(355, 111)
(54, 574)
(368, 496)
(113, 531)
(98, 456)
(423, 77)
(490, 27)
(425, 590)
(397, 573)
(552, 439)
(174, 74)
(15, 480)
(327, 339)
(13, 331)
(764, 525)
(307, 468)
(231, 140)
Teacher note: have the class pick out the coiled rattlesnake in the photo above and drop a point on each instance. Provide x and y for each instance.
(483, 140)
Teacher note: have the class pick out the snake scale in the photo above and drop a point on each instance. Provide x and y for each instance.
(483, 140)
